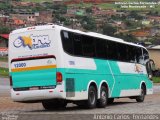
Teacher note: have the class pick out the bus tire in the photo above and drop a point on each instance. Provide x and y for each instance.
(92, 97)
(142, 96)
(102, 102)
(54, 104)
(110, 100)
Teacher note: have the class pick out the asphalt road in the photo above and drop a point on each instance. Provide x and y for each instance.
(151, 105)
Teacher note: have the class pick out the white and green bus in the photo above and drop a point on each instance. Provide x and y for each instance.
(56, 65)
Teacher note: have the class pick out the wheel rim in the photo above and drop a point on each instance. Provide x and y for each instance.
(103, 96)
(92, 97)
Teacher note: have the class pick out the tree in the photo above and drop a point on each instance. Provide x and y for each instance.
(4, 29)
(109, 30)
(60, 9)
(62, 19)
(4, 6)
(89, 10)
(127, 37)
(135, 15)
(88, 23)
(67, 22)
(155, 40)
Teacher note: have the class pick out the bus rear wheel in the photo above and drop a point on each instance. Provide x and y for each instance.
(54, 104)
(92, 97)
(142, 96)
(102, 102)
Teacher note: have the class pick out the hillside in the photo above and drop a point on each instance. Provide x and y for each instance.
(37, 1)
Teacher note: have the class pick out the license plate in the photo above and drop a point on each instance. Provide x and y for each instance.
(34, 88)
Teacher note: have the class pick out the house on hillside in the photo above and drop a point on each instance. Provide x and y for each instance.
(4, 40)
(3, 19)
(44, 17)
(141, 35)
(25, 19)
(4, 44)
(119, 24)
(23, 4)
(154, 19)
(146, 22)
(154, 53)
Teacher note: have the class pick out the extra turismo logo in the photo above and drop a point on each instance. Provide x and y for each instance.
(32, 41)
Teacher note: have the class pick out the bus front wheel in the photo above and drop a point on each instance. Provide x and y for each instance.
(142, 96)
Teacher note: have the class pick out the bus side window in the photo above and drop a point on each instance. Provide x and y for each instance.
(130, 54)
(145, 56)
(67, 42)
(77, 44)
(112, 52)
(101, 49)
(122, 52)
(139, 56)
(88, 44)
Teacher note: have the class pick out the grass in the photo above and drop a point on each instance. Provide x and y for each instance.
(4, 59)
(4, 72)
(156, 79)
(108, 6)
(81, 5)
(118, 6)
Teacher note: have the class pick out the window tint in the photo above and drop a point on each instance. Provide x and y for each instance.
(87, 46)
(67, 42)
(122, 52)
(131, 54)
(101, 49)
(77, 44)
(112, 50)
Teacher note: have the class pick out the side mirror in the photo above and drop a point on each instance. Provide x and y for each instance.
(150, 66)
(153, 66)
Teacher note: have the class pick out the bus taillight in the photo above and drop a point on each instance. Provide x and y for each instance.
(10, 79)
(59, 77)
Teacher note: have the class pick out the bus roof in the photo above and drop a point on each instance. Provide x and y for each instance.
(42, 27)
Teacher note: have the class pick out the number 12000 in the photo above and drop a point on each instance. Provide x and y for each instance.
(18, 65)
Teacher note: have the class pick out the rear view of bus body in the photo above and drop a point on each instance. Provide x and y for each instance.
(53, 64)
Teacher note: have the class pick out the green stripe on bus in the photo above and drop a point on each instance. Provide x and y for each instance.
(116, 80)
